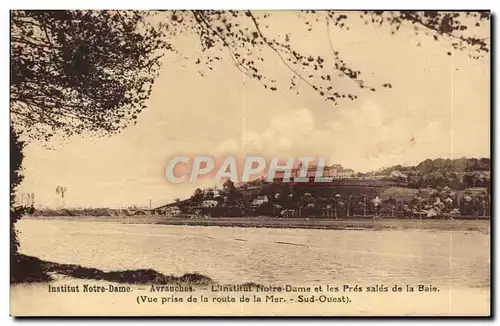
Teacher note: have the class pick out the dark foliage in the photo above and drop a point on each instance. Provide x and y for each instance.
(81, 71)
(247, 38)
(456, 174)
(26, 269)
(457, 27)
(31, 269)
(443, 165)
(16, 212)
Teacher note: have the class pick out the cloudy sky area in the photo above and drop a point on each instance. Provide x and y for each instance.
(438, 106)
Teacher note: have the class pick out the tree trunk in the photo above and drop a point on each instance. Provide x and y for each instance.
(16, 212)
(364, 208)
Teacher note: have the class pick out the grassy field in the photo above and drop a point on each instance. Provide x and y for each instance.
(400, 193)
(302, 223)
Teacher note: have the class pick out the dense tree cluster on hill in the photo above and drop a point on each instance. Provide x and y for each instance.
(457, 173)
(443, 165)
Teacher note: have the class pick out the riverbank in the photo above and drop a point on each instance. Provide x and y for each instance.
(294, 223)
(28, 269)
(330, 224)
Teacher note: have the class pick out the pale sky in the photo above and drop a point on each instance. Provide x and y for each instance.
(438, 106)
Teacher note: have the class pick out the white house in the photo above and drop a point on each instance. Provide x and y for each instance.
(209, 203)
(432, 212)
(397, 174)
(171, 211)
(260, 200)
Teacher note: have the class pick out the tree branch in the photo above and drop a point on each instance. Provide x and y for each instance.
(268, 43)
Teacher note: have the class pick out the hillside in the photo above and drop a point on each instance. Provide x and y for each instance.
(461, 165)
(457, 173)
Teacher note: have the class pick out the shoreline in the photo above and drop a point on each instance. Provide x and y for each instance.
(294, 223)
(27, 269)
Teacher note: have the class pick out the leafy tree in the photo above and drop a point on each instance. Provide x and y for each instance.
(74, 72)
(16, 177)
(377, 204)
(208, 194)
(228, 186)
(60, 190)
(197, 196)
(81, 71)
(468, 180)
(232, 193)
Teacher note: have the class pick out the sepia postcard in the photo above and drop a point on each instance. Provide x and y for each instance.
(250, 163)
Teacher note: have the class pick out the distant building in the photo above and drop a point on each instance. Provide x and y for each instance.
(209, 203)
(310, 173)
(335, 171)
(346, 173)
(174, 211)
(260, 200)
(168, 210)
(397, 174)
(432, 212)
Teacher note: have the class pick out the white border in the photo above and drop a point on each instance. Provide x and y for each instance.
(255, 4)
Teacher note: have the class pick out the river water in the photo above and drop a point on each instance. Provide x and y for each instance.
(456, 262)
